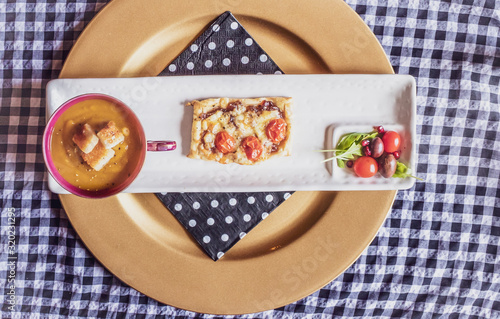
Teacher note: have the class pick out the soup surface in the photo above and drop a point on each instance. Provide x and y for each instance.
(67, 156)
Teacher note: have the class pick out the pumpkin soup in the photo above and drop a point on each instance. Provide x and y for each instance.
(96, 145)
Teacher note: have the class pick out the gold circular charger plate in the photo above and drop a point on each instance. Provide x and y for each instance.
(307, 241)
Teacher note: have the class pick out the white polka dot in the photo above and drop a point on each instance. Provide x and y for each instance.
(190, 65)
(269, 198)
(208, 63)
(196, 205)
(164, 193)
(245, 60)
(210, 221)
(172, 67)
(278, 72)
(192, 223)
(248, 42)
(206, 239)
(194, 47)
(234, 25)
(224, 237)
(230, 43)
(178, 207)
(229, 219)
(211, 45)
(247, 218)
(216, 28)
(263, 58)
(259, 73)
(242, 234)
(287, 196)
(214, 203)
(264, 215)
(226, 62)
(251, 200)
(232, 201)
(220, 254)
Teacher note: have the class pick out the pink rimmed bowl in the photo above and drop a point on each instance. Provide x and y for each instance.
(145, 146)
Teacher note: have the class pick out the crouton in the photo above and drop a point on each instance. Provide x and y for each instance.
(110, 136)
(85, 138)
(99, 156)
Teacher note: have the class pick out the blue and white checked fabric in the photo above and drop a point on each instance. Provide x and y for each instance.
(437, 254)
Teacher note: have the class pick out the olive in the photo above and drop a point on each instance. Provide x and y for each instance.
(377, 146)
(387, 165)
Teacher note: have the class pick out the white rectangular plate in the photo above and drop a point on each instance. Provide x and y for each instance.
(324, 107)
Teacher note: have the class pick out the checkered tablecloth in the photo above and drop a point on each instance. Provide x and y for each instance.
(437, 254)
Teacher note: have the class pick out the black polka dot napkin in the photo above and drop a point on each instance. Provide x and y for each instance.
(219, 220)
(224, 48)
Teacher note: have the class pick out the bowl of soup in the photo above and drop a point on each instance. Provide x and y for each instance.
(94, 145)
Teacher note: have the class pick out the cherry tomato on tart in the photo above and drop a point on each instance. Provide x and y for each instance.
(224, 142)
(276, 130)
(252, 147)
(242, 131)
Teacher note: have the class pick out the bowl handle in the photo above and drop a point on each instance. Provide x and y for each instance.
(159, 146)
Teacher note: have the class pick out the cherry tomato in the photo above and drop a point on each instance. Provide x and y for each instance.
(224, 142)
(365, 166)
(276, 130)
(392, 141)
(252, 147)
